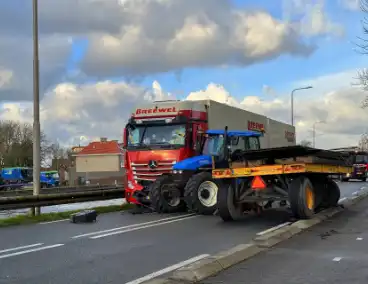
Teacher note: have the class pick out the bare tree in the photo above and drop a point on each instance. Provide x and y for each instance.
(305, 143)
(363, 49)
(363, 142)
(16, 144)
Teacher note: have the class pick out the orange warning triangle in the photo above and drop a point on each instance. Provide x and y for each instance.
(258, 183)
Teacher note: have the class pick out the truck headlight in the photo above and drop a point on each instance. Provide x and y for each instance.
(177, 172)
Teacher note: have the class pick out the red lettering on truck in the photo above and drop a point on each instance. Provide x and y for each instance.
(255, 126)
(155, 110)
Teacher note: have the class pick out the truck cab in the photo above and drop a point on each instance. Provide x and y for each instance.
(156, 137)
(360, 166)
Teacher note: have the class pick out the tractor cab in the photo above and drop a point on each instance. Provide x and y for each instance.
(212, 145)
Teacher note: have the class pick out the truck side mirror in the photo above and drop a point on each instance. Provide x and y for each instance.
(198, 144)
(125, 138)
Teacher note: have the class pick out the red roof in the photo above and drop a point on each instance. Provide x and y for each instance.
(108, 147)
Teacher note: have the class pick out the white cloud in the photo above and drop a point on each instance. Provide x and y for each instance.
(142, 37)
(314, 19)
(194, 33)
(101, 109)
(353, 5)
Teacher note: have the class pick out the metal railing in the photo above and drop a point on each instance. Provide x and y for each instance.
(50, 197)
(52, 190)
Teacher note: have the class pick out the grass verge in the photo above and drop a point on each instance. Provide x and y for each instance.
(48, 217)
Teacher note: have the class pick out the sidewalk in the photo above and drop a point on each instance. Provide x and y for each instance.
(335, 251)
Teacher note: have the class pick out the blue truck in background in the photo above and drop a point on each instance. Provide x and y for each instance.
(49, 179)
(17, 177)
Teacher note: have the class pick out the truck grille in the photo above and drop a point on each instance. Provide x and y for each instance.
(142, 171)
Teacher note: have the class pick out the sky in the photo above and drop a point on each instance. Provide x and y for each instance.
(99, 59)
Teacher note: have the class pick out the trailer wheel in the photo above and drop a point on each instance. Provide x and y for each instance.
(332, 195)
(302, 198)
(227, 208)
(165, 195)
(200, 194)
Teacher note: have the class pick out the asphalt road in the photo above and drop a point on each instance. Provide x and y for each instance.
(122, 248)
(335, 251)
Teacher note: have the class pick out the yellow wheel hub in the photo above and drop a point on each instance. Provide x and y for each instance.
(309, 198)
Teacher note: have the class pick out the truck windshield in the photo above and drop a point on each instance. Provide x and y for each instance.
(361, 159)
(27, 173)
(157, 135)
(213, 145)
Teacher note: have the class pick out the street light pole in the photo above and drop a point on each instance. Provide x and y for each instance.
(292, 101)
(36, 108)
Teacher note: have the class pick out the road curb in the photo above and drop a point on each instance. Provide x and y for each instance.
(214, 264)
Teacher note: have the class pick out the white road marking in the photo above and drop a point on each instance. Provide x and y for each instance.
(22, 247)
(337, 259)
(51, 222)
(273, 229)
(167, 269)
(29, 251)
(359, 239)
(140, 228)
(132, 226)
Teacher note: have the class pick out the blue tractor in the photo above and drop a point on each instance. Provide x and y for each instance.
(190, 186)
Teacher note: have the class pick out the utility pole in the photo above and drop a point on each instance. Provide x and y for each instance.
(292, 101)
(36, 109)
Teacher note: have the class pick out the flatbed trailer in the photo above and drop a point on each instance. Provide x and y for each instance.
(296, 177)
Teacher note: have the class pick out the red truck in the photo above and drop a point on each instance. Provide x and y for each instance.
(162, 133)
(359, 159)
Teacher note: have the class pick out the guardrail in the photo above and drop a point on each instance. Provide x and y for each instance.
(51, 190)
(27, 201)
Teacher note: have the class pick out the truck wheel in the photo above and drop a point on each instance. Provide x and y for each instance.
(165, 195)
(227, 208)
(332, 195)
(302, 198)
(319, 187)
(200, 194)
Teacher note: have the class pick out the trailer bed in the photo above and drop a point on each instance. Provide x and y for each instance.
(279, 170)
(294, 152)
(285, 160)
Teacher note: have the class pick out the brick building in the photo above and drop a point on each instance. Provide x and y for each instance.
(100, 162)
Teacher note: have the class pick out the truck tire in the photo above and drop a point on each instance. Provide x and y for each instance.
(332, 195)
(319, 186)
(200, 194)
(163, 199)
(227, 208)
(302, 198)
